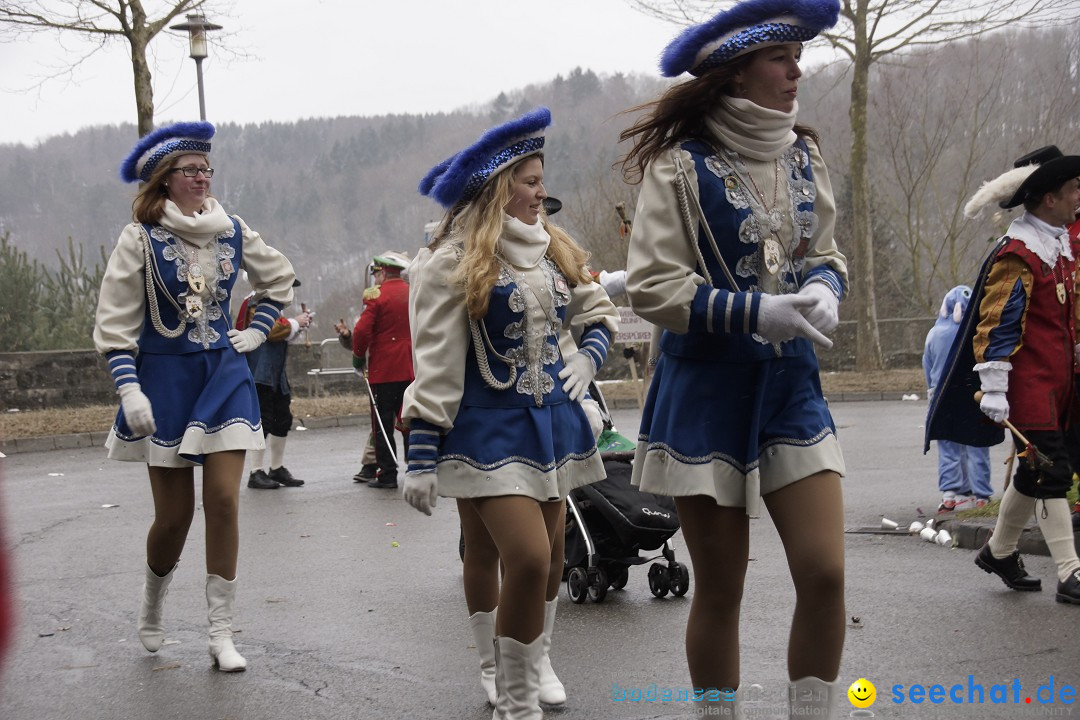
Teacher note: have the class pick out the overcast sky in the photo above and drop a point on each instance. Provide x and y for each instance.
(323, 58)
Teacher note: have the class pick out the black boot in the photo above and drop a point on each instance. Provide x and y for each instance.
(283, 476)
(259, 480)
(1069, 589)
(385, 481)
(1010, 570)
(368, 472)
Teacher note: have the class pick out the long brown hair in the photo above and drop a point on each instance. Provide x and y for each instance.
(149, 203)
(480, 225)
(679, 115)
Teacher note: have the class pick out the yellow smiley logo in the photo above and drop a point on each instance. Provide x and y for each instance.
(862, 693)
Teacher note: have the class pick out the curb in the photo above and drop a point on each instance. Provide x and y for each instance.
(972, 536)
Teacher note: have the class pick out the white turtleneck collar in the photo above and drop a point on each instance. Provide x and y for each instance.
(198, 229)
(1047, 241)
(751, 130)
(522, 245)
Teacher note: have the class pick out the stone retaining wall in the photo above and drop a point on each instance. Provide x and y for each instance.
(34, 380)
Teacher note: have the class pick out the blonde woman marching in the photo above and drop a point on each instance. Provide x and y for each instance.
(494, 412)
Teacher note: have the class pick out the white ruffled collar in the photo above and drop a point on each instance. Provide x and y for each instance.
(751, 130)
(522, 245)
(1048, 242)
(198, 229)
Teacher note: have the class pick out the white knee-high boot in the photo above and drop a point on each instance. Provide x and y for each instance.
(482, 625)
(155, 588)
(220, 594)
(552, 691)
(811, 697)
(517, 679)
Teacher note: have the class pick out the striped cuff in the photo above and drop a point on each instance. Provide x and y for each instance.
(423, 445)
(721, 311)
(595, 342)
(266, 314)
(122, 367)
(829, 276)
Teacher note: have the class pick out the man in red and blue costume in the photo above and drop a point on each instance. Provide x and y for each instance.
(1017, 346)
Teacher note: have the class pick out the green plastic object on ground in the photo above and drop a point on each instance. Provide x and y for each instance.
(612, 441)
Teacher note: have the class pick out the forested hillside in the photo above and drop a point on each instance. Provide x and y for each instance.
(331, 192)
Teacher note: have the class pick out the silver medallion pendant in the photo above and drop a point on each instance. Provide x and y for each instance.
(195, 279)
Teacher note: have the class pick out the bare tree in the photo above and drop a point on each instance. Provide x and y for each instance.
(871, 30)
(101, 21)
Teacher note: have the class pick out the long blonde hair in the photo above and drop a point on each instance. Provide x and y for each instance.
(479, 225)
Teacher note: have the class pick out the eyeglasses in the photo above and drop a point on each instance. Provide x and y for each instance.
(194, 171)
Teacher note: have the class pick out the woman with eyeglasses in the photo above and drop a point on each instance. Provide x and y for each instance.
(187, 398)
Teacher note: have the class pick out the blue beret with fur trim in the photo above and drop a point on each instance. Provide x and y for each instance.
(176, 139)
(429, 180)
(467, 171)
(747, 26)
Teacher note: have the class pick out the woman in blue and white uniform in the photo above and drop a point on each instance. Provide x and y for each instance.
(493, 412)
(732, 254)
(187, 398)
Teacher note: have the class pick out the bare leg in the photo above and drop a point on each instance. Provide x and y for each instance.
(222, 472)
(174, 507)
(480, 569)
(718, 539)
(809, 516)
(521, 528)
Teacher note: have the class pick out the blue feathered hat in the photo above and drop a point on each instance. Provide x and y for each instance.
(176, 139)
(459, 178)
(747, 26)
(429, 180)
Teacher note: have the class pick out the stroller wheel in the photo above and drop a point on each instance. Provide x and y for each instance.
(659, 582)
(598, 588)
(619, 578)
(577, 585)
(680, 579)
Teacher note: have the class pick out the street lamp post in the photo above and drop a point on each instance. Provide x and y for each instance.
(197, 27)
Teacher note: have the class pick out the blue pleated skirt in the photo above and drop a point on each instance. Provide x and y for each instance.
(203, 402)
(734, 431)
(541, 452)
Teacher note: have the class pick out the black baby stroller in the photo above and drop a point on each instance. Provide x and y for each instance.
(610, 521)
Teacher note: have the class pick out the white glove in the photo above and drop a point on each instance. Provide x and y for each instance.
(244, 341)
(994, 382)
(613, 282)
(578, 373)
(596, 418)
(995, 406)
(137, 410)
(824, 315)
(780, 318)
(420, 489)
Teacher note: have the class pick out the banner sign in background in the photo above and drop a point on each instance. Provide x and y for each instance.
(632, 329)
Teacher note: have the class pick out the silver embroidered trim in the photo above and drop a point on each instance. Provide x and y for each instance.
(546, 467)
(728, 459)
(206, 430)
(202, 333)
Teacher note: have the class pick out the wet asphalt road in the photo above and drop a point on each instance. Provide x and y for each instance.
(350, 602)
